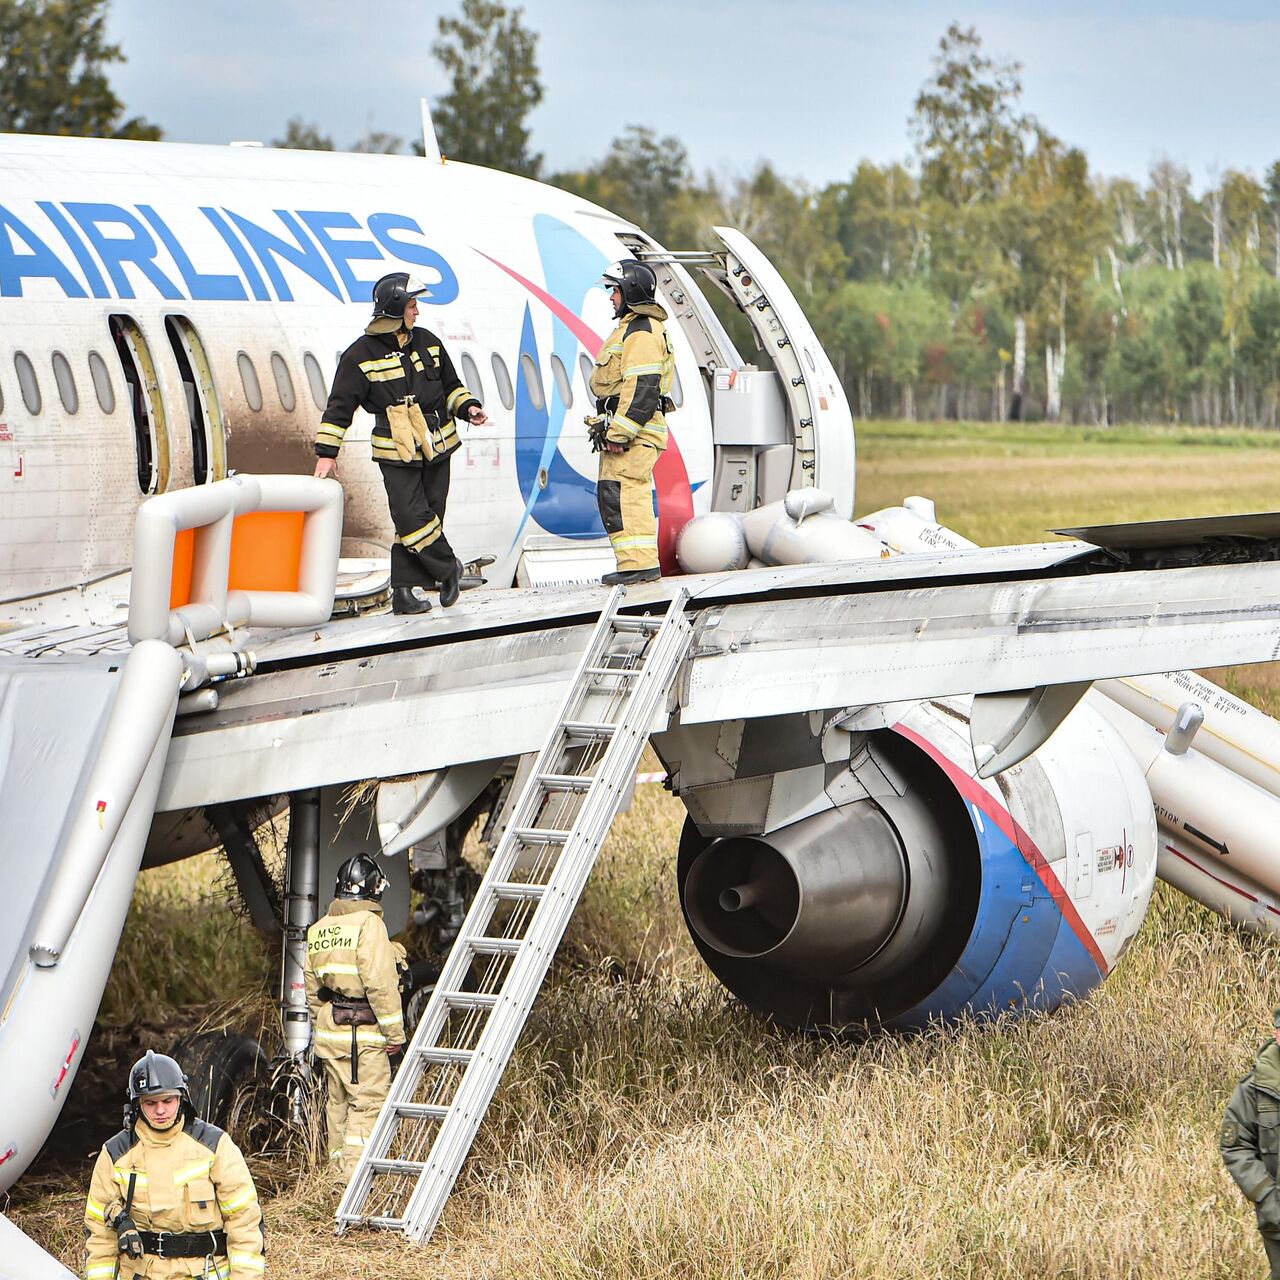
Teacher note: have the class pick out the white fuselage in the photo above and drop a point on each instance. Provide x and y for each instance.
(232, 279)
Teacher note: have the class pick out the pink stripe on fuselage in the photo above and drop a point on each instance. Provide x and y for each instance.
(670, 475)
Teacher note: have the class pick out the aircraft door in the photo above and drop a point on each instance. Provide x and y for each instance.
(146, 403)
(204, 410)
(822, 422)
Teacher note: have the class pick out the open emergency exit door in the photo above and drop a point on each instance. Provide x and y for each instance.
(785, 424)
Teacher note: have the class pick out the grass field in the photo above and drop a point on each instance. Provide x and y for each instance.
(649, 1128)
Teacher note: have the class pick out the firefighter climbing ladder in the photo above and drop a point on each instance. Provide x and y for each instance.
(497, 965)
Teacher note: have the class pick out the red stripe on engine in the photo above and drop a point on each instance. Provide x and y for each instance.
(975, 793)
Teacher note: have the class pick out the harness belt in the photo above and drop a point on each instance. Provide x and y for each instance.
(359, 1014)
(181, 1244)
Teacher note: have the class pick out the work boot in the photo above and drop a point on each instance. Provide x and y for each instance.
(450, 587)
(625, 578)
(404, 601)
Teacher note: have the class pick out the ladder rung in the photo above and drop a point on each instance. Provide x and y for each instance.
(397, 1166)
(468, 1000)
(588, 729)
(615, 671)
(420, 1111)
(487, 946)
(540, 835)
(446, 1055)
(391, 1224)
(518, 892)
(645, 625)
(566, 781)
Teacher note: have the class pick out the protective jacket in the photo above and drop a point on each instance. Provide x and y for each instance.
(188, 1179)
(375, 373)
(633, 375)
(350, 955)
(1250, 1138)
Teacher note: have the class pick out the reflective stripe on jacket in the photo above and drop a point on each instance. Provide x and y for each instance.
(376, 372)
(633, 373)
(349, 951)
(188, 1178)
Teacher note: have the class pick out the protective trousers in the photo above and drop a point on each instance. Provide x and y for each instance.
(1273, 1255)
(625, 498)
(416, 494)
(352, 1109)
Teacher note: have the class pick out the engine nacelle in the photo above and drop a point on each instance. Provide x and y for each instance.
(876, 880)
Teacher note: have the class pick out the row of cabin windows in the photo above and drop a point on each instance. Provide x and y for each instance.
(64, 379)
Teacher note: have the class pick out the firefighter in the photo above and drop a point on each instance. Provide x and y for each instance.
(1250, 1142)
(631, 382)
(352, 975)
(171, 1196)
(404, 377)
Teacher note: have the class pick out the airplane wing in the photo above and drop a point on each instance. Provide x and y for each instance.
(381, 696)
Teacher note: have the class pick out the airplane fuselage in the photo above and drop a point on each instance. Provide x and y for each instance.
(172, 313)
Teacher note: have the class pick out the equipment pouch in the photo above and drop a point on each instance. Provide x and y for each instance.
(402, 434)
(421, 430)
(344, 1015)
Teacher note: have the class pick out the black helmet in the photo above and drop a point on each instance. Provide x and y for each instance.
(635, 279)
(360, 877)
(153, 1074)
(392, 293)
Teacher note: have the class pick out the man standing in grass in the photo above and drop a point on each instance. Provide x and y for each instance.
(352, 974)
(171, 1196)
(1250, 1142)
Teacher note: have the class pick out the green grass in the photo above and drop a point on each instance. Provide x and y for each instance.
(648, 1128)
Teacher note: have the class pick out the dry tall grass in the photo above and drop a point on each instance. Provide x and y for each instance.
(648, 1128)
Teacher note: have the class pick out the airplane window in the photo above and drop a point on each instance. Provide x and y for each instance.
(561, 375)
(102, 382)
(584, 363)
(27, 381)
(249, 377)
(63, 376)
(505, 392)
(315, 380)
(471, 375)
(677, 391)
(284, 382)
(532, 381)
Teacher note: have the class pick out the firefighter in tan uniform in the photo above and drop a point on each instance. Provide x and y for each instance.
(171, 1196)
(353, 991)
(631, 382)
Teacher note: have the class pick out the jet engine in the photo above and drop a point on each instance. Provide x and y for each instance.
(849, 869)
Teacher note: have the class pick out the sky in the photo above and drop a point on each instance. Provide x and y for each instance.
(812, 86)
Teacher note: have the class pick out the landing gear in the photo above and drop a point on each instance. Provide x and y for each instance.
(219, 1065)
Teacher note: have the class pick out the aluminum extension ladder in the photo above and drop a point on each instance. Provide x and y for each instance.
(496, 967)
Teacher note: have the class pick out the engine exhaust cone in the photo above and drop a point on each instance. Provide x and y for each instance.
(815, 899)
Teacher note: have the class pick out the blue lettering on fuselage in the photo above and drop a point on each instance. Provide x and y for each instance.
(116, 248)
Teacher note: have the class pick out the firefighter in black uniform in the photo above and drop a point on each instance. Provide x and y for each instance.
(404, 377)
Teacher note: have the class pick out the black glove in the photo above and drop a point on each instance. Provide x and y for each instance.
(597, 430)
(130, 1241)
(395, 1057)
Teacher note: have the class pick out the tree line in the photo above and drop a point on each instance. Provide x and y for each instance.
(990, 275)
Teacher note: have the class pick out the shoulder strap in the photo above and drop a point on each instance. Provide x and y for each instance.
(117, 1145)
(208, 1135)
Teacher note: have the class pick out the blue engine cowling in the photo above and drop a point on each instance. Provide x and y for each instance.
(922, 893)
